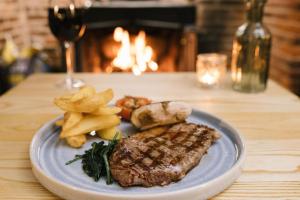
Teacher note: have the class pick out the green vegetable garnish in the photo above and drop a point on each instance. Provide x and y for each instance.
(95, 160)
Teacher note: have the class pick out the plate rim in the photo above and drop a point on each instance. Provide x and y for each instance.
(236, 168)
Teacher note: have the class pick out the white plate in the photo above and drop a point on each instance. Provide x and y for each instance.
(217, 170)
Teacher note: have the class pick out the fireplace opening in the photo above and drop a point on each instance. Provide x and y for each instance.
(138, 37)
(132, 54)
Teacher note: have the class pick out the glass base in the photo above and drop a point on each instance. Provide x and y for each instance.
(249, 88)
(70, 83)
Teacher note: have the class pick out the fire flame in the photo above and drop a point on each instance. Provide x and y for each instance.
(136, 56)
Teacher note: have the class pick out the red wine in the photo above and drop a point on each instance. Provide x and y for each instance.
(66, 24)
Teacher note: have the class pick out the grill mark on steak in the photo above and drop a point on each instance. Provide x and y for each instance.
(160, 155)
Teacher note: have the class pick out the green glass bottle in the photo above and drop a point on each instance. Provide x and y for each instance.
(251, 51)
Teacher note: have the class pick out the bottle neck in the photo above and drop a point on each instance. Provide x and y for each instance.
(255, 10)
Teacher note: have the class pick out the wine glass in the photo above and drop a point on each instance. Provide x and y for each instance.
(66, 23)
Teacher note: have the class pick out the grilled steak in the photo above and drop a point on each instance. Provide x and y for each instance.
(160, 155)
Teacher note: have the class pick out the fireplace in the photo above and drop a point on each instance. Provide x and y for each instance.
(138, 36)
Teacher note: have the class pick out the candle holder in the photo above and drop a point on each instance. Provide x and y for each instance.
(211, 69)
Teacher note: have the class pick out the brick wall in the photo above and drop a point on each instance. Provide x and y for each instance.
(283, 19)
(219, 19)
(10, 21)
(37, 21)
(217, 23)
(26, 22)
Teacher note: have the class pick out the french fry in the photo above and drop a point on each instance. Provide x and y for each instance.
(107, 111)
(105, 96)
(59, 122)
(90, 123)
(86, 105)
(65, 104)
(84, 92)
(87, 111)
(66, 96)
(76, 141)
(91, 104)
(109, 133)
(71, 119)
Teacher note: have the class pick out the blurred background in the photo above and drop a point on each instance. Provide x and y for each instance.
(176, 31)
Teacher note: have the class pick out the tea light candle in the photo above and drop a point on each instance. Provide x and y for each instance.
(211, 69)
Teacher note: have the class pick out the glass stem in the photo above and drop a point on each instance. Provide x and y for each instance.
(69, 50)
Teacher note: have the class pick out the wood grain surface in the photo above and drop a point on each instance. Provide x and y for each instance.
(269, 122)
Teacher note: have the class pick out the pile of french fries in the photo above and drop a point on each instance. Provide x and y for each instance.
(87, 111)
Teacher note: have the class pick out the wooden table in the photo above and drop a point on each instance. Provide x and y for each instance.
(269, 121)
